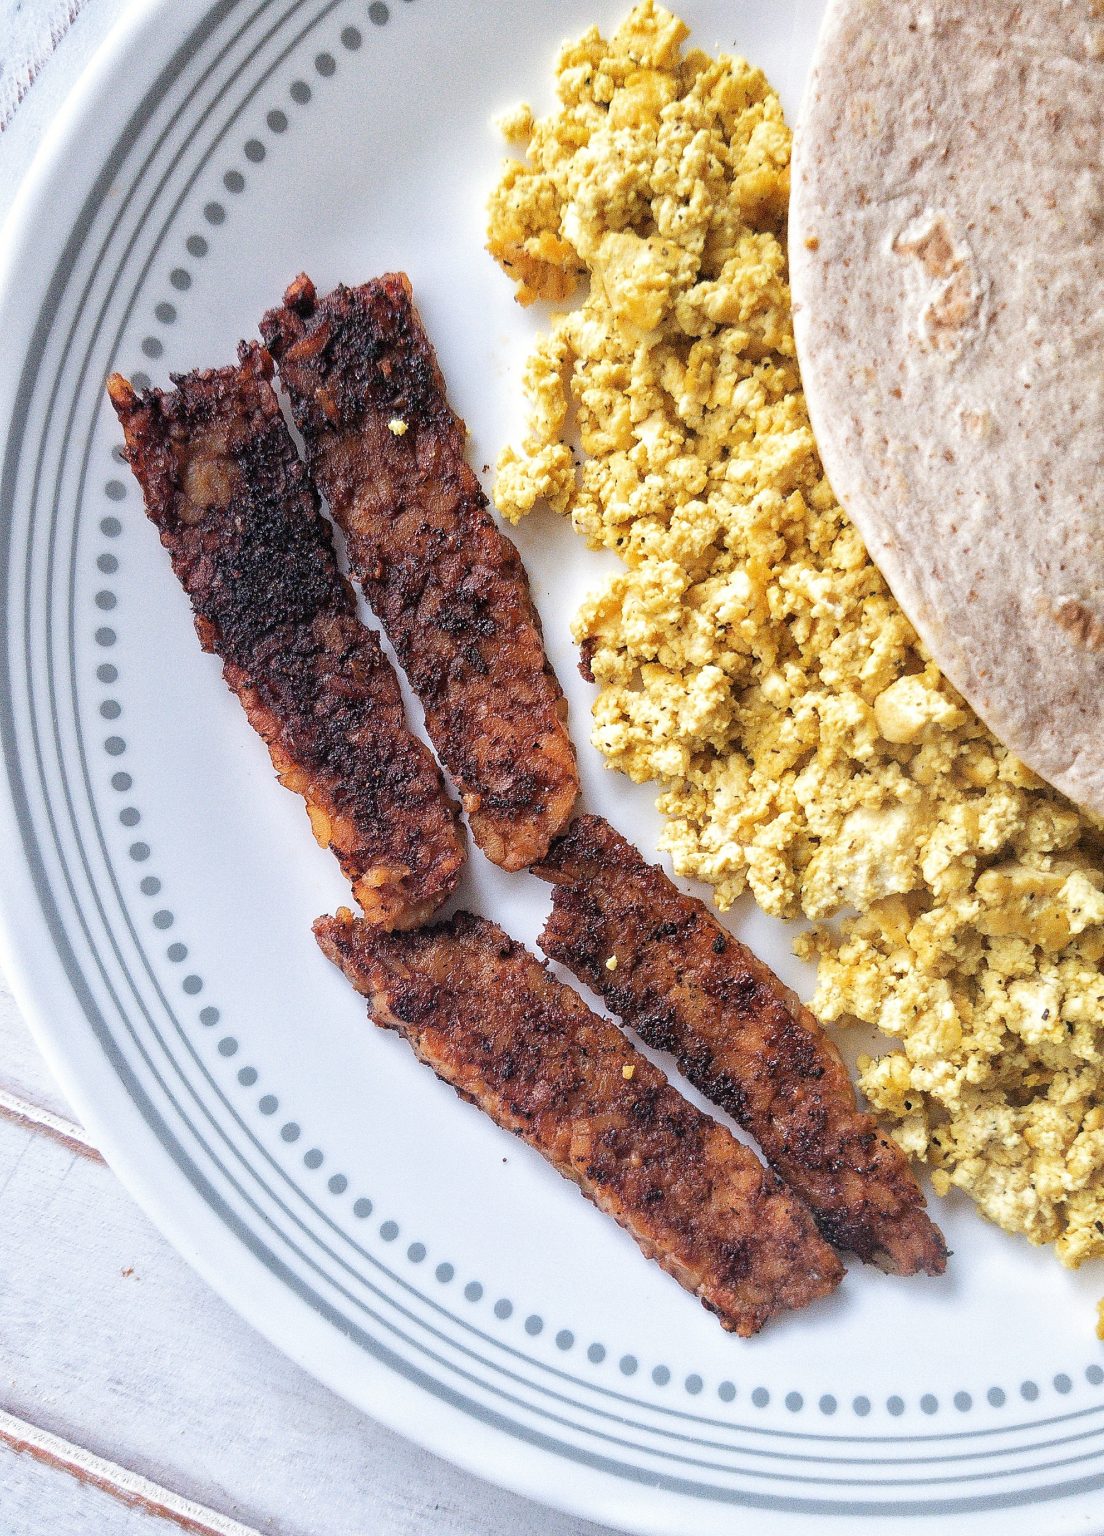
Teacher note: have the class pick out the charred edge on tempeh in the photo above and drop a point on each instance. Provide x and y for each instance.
(449, 588)
(742, 1038)
(490, 1020)
(235, 509)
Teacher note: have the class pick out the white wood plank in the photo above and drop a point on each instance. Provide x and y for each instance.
(66, 1132)
(41, 1500)
(23, 1073)
(109, 1341)
(48, 1485)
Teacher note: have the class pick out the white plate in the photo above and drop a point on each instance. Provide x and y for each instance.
(158, 885)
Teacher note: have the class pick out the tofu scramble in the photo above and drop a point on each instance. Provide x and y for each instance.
(750, 657)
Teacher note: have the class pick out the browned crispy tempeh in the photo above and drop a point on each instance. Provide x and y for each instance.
(449, 588)
(240, 519)
(489, 1019)
(664, 964)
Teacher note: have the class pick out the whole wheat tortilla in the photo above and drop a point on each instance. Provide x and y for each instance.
(947, 261)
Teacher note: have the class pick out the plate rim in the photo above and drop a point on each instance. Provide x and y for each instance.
(22, 962)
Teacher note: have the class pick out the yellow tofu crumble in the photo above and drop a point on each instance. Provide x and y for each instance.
(750, 656)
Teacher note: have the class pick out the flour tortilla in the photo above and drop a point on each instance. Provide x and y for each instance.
(947, 262)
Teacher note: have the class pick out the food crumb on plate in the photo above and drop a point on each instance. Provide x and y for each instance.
(751, 658)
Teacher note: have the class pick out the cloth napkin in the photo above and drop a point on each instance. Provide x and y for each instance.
(30, 30)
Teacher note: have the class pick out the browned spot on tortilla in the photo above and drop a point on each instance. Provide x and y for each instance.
(978, 423)
(933, 247)
(1080, 623)
(954, 299)
(952, 310)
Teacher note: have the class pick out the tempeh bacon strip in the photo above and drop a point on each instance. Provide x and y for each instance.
(489, 1019)
(449, 588)
(662, 962)
(235, 509)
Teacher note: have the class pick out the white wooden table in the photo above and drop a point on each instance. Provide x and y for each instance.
(132, 1400)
